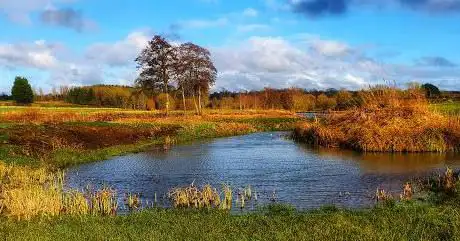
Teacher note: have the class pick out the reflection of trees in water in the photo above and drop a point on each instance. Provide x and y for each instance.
(389, 162)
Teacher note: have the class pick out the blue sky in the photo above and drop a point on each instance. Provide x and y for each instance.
(255, 44)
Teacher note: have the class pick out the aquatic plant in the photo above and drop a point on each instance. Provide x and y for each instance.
(133, 201)
(226, 204)
(194, 197)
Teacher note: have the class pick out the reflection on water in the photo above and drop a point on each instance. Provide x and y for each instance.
(304, 177)
(391, 163)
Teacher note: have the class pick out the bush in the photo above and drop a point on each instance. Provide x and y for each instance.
(22, 91)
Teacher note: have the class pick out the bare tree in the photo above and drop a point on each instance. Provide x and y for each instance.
(197, 72)
(156, 64)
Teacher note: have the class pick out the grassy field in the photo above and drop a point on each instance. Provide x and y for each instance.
(450, 108)
(402, 222)
(34, 205)
(61, 136)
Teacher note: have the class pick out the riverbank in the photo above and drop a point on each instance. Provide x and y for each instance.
(61, 137)
(389, 120)
(408, 221)
(35, 207)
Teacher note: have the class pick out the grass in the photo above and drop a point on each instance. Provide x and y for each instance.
(389, 120)
(34, 206)
(60, 137)
(401, 222)
(449, 108)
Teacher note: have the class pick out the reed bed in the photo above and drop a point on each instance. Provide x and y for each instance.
(27, 192)
(389, 120)
(195, 197)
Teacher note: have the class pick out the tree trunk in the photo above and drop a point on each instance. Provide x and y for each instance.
(194, 102)
(183, 101)
(241, 106)
(199, 100)
(167, 98)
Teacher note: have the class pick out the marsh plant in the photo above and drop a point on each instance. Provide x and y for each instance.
(387, 120)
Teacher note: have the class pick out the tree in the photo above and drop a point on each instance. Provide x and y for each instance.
(196, 72)
(22, 92)
(156, 64)
(431, 90)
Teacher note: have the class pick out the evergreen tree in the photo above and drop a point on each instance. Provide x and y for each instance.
(22, 92)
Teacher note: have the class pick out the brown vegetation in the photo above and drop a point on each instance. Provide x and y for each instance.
(390, 120)
(39, 140)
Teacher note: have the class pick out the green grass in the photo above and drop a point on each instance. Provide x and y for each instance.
(451, 108)
(402, 222)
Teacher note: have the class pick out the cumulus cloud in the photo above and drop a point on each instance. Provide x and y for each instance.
(106, 63)
(260, 62)
(39, 54)
(329, 47)
(119, 53)
(304, 61)
(317, 8)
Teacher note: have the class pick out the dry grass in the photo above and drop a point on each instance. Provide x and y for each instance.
(27, 192)
(34, 115)
(194, 197)
(41, 140)
(390, 120)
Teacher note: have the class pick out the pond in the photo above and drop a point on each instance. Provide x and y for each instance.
(278, 169)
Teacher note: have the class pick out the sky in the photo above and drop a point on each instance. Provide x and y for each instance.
(312, 44)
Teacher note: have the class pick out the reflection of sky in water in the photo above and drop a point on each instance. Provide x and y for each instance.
(268, 162)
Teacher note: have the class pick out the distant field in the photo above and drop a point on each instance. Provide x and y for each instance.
(452, 108)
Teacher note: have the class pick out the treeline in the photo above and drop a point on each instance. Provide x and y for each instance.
(294, 99)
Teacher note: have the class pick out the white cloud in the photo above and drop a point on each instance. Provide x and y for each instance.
(119, 53)
(39, 54)
(260, 62)
(54, 65)
(250, 12)
(253, 63)
(329, 47)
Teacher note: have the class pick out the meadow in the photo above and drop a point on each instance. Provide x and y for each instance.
(38, 142)
(63, 136)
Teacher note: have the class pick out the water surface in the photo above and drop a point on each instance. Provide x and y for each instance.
(273, 165)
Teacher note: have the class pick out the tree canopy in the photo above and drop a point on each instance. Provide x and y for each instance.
(188, 67)
(431, 90)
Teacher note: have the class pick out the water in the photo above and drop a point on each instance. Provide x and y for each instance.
(273, 165)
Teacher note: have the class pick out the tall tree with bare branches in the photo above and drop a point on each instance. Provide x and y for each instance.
(197, 72)
(156, 64)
